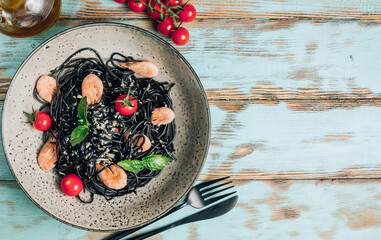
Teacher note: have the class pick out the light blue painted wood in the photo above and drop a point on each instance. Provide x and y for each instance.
(266, 210)
(259, 139)
(280, 140)
(328, 56)
(276, 139)
(238, 9)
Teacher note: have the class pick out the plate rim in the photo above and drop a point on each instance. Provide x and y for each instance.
(150, 34)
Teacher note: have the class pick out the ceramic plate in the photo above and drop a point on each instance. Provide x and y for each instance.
(22, 143)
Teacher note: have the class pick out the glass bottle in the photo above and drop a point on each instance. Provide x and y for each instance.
(25, 18)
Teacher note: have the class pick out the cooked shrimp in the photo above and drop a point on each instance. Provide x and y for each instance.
(47, 157)
(162, 115)
(145, 69)
(92, 88)
(46, 86)
(113, 177)
(145, 146)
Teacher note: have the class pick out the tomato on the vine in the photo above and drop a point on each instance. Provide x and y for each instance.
(138, 6)
(126, 104)
(40, 120)
(166, 27)
(157, 7)
(171, 3)
(71, 185)
(188, 14)
(180, 36)
(120, 1)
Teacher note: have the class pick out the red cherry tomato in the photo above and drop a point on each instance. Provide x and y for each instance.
(40, 120)
(126, 106)
(153, 14)
(166, 26)
(188, 14)
(71, 185)
(43, 121)
(120, 1)
(171, 3)
(137, 6)
(180, 36)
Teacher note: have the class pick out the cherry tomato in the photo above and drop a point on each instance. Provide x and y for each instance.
(188, 14)
(166, 26)
(43, 121)
(126, 106)
(71, 185)
(40, 120)
(154, 14)
(120, 1)
(180, 36)
(137, 6)
(171, 3)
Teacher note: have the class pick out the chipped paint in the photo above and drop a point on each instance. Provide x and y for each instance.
(11, 205)
(193, 234)
(305, 74)
(337, 137)
(95, 235)
(311, 47)
(328, 234)
(286, 213)
(293, 234)
(246, 149)
(360, 217)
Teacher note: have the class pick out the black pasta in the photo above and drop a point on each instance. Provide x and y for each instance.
(104, 143)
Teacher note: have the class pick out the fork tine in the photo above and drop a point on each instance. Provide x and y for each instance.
(205, 184)
(205, 190)
(215, 199)
(216, 192)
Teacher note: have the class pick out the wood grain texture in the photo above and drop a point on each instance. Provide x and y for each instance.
(262, 141)
(295, 100)
(282, 94)
(261, 60)
(265, 210)
(212, 9)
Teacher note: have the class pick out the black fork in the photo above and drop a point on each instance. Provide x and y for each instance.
(199, 196)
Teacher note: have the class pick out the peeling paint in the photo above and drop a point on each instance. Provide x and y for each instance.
(286, 213)
(193, 234)
(328, 234)
(305, 74)
(293, 234)
(10, 204)
(336, 137)
(246, 149)
(360, 218)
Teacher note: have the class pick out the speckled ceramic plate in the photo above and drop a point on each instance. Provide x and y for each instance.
(22, 143)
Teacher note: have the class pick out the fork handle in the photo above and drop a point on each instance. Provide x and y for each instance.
(122, 234)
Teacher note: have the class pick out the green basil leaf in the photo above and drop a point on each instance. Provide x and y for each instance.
(131, 165)
(82, 111)
(78, 135)
(155, 162)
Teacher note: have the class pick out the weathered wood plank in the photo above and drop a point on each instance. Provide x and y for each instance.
(267, 60)
(266, 210)
(213, 9)
(275, 141)
(286, 140)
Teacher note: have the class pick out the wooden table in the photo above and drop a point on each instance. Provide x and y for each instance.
(294, 92)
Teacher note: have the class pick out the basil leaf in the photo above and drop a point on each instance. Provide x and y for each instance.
(82, 111)
(155, 162)
(131, 165)
(78, 135)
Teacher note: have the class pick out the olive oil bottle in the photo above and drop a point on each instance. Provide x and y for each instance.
(25, 18)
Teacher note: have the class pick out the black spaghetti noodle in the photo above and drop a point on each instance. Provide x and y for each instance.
(103, 143)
